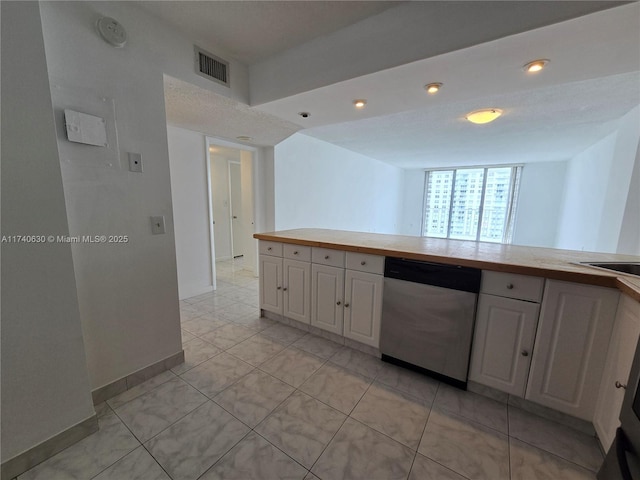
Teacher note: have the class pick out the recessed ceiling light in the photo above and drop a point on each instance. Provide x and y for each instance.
(244, 138)
(484, 116)
(359, 103)
(304, 114)
(535, 66)
(432, 88)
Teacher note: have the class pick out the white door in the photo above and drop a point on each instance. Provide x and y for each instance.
(235, 194)
(503, 343)
(363, 307)
(327, 297)
(271, 283)
(573, 335)
(296, 288)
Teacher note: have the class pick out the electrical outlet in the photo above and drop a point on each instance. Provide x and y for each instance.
(157, 225)
(135, 162)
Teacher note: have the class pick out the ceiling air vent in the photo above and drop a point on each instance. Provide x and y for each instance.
(211, 67)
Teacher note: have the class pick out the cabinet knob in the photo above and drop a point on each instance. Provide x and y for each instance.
(284, 289)
(363, 262)
(295, 253)
(509, 286)
(620, 385)
(524, 353)
(346, 305)
(338, 302)
(279, 288)
(326, 257)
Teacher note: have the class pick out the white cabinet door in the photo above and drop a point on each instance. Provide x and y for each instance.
(271, 283)
(574, 330)
(624, 340)
(503, 343)
(363, 307)
(296, 288)
(327, 290)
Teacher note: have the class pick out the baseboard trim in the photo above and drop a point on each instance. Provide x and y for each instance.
(47, 449)
(195, 291)
(125, 383)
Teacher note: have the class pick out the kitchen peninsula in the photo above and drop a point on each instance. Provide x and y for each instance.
(548, 330)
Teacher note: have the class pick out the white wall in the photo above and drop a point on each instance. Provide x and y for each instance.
(187, 159)
(127, 293)
(45, 385)
(540, 195)
(629, 241)
(412, 203)
(597, 188)
(320, 185)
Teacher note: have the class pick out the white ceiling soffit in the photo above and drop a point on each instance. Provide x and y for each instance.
(253, 30)
(200, 110)
(599, 45)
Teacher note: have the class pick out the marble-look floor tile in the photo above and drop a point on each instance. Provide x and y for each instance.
(140, 389)
(201, 325)
(408, 381)
(149, 414)
(188, 313)
(227, 336)
(560, 440)
(301, 427)
(187, 337)
(320, 347)
(254, 322)
(256, 350)
(138, 465)
(531, 463)
(311, 476)
(195, 352)
(218, 301)
(358, 451)
(475, 407)
(283, 333)
(292, 366)
(336, 386)
(253, 397)
(358, 362)
(426, 469)
(393, 413)
(237, 310)
(468, 448)
(255, 459)
(194, 443)
(217, 373)
(89, 456)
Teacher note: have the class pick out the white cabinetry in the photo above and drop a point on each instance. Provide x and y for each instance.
(624, 340)
(285, 283)
(347, 302)
(506, 321)
(571, 345)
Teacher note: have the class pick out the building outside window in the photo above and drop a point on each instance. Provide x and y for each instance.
(476, 203)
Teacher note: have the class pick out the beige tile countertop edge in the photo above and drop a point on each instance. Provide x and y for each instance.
(537, 261)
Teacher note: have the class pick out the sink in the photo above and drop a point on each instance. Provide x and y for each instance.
(631, 268)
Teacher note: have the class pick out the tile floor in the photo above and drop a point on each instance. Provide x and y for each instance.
(256, 399)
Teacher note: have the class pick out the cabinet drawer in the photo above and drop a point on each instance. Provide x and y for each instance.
(270, 248)
(327, 256)
(511, 285)
(364, 262)
(297, 252)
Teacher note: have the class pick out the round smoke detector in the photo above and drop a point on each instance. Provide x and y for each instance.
(112, 32)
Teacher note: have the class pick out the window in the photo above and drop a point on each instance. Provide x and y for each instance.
(471, 203)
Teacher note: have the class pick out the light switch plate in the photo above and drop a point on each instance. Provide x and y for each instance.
(135, 162)
(157, 225)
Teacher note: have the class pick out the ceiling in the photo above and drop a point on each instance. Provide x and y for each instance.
(592, 80)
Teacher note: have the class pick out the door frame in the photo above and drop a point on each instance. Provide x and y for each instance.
(231, 207)
(214, 141)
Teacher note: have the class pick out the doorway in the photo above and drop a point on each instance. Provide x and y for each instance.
(230, 176)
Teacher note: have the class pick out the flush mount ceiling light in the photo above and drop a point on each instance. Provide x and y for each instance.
(244, 138)
(535, 66)
(432, 88)
(483, 116)
(359, 103)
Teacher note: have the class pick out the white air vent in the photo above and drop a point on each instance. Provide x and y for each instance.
(211, 67)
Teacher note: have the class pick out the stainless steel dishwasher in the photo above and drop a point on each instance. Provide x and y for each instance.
(428, 313)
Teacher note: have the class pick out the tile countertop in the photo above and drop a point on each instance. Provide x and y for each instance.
(536, 261)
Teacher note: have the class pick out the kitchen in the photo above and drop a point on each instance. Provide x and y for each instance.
(103, 369)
